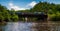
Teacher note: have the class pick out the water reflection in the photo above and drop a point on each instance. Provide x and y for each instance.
(19, 26)
(27, 26)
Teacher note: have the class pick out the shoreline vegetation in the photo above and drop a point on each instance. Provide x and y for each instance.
(51, 9)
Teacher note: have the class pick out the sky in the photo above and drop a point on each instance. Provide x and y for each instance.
(24, 4)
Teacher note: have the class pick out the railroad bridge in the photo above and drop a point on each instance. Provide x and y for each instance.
(38, 15)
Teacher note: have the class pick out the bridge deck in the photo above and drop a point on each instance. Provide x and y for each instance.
(31, 15)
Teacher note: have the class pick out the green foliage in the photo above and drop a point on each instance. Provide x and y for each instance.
(5, 14)
(1, 18)
(55, 17)
(40, 7)
(14, 18)
(52, 9)
(23, 11)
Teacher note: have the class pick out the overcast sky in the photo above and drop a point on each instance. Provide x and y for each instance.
(24, 4)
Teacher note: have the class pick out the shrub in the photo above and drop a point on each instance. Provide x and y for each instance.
(55, 17)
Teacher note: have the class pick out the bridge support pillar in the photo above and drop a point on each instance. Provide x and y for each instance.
(26, 19)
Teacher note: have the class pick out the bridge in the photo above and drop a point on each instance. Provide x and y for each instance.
(39, 15)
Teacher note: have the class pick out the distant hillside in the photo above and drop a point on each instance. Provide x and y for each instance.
(45, 6)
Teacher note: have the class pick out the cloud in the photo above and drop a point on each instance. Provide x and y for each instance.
(12, 6)
(32, 4)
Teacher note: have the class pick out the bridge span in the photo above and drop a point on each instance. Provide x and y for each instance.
(39, 15)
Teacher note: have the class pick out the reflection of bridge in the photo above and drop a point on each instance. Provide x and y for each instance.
(35, 15)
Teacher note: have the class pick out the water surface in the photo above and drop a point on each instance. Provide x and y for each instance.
(18, 26)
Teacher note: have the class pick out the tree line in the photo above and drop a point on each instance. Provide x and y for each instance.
(7, 15)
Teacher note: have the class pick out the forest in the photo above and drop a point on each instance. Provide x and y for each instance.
(51, 9)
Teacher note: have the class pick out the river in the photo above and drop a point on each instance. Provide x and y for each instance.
(18, 26)
(27, 26)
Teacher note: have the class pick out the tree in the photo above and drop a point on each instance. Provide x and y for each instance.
(6, 15)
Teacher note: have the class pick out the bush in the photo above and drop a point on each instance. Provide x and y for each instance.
(14, 18)
(55, 17)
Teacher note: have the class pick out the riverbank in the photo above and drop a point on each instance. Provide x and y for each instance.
(2, 23)
(0, 29)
